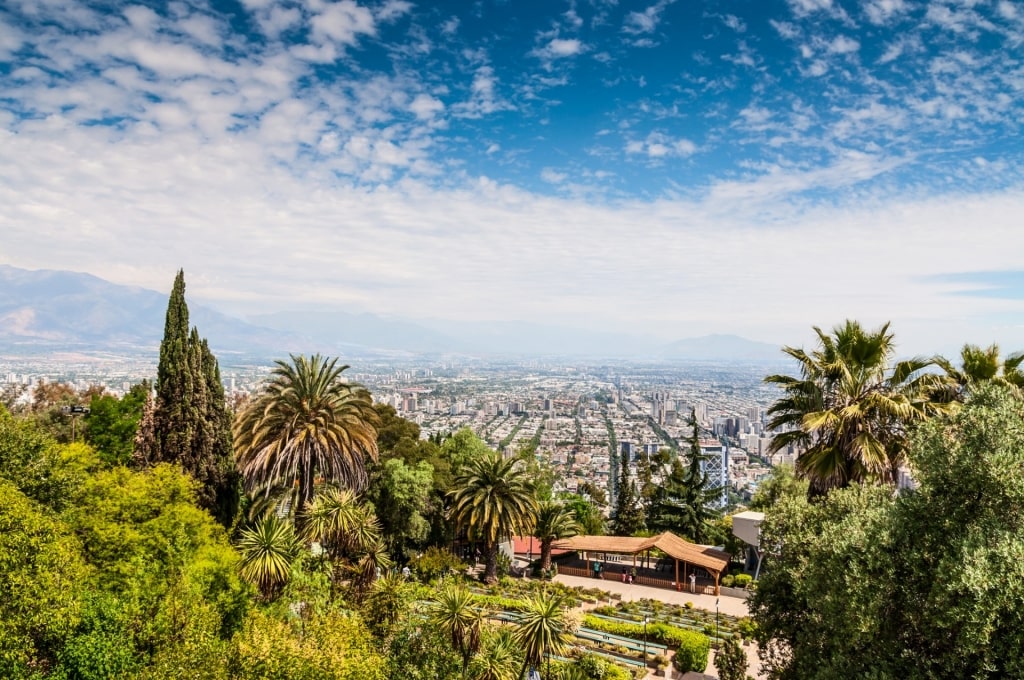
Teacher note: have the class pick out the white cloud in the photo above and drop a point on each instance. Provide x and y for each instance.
(637, 23)
(559, 48)
(552, 176)
(843, 45)
(658, 145)
(342, 22)
(881, 11)
(425, 106)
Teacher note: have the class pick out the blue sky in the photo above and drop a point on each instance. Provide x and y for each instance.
(675, 168)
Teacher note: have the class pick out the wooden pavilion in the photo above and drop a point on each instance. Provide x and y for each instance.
(691, 555)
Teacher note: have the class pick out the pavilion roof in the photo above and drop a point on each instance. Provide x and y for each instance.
(678, 548)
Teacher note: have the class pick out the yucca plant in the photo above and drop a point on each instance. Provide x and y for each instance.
(269, 549)
(453, 611)
(498, 659)
(544, 628)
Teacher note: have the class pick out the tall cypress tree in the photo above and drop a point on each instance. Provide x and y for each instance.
(191, 425)
(629, 514)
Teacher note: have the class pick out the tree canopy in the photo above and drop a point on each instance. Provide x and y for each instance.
(925, 584)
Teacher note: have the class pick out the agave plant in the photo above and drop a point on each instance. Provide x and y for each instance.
(269, 548)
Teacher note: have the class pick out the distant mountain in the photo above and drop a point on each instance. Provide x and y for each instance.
(47, 310)
(722, 348)
(44, 309)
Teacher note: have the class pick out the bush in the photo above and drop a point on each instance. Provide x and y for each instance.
(688, 605)
(693, 654)
(747, 628)
(743, 580)
(731, 661)
(663, 633)
(727, 581)
(435, 562)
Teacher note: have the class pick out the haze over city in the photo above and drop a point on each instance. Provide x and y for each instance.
(674, 167)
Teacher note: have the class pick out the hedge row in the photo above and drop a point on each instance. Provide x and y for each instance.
(692, 646)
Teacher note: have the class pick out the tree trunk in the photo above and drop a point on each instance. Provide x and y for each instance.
(545, 554)
(491, 562)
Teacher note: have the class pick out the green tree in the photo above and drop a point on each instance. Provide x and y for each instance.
(308, 423)
(555, 521)
(685, 504)
(850, 409)
(926, 584)
(780, 482)
(492, 500)
(401, 495)
(544, 629)
(731, 661)
(191, 425)
(629, 515)
(42, 575)
(111, 424)
(586, 513)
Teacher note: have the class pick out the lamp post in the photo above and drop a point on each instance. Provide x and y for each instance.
(74, 412)
(716, 623)
(646, 619)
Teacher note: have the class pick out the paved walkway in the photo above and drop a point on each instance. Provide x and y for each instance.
(733, 606)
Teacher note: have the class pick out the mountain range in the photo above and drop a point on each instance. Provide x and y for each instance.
(46, 310)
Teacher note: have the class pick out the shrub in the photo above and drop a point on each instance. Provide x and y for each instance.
(435, 562)
(743, 580)
(693, 654)
(660, 661)
(727, 581)
(731, 661)
(688, 605)
(747, 628)
(663, 633)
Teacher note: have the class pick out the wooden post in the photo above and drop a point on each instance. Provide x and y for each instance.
(678, 587)
(717, 574)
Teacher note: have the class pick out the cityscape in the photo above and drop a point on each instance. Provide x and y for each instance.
(577, 417)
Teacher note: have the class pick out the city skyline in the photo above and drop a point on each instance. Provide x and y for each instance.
(690, 168)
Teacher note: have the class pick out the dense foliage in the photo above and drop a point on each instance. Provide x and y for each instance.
(924, 584)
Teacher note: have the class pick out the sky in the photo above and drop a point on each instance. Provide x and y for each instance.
(670, 169)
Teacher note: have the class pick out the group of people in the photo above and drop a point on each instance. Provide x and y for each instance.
(628, 576)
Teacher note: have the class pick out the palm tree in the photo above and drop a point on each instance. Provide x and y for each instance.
(982, 365)
(543, 629)
(307, 424)
(268, 549)
(498, 659)
(554, 521)
(850, 409)
(491, 500)
(349, 533)
(453, 612)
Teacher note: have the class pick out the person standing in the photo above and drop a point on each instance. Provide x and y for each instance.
(693, 583)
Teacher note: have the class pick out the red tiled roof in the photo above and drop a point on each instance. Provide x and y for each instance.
(523, 545)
